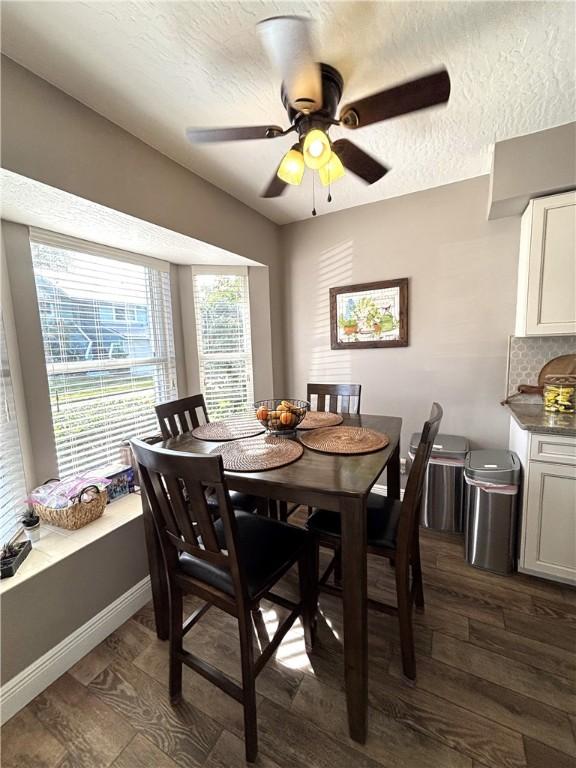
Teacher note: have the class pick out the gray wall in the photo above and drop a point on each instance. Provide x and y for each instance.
(462, 271)
(44, 609)
(540, 163)
(51, 137)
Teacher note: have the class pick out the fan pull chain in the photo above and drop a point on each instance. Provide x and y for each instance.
(329, 198)
(313, 196)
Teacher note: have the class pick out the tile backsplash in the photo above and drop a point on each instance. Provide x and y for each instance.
(527, 355)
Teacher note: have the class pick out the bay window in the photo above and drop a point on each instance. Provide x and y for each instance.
(222, 310)
(107, 330)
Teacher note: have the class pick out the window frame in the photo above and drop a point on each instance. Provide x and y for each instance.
(166, 363)
(17, 460)
(248, 356)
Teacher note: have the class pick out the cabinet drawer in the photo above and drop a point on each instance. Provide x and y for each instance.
(556, 448)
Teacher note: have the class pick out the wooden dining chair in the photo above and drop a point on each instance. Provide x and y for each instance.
(177, 417)
(316, 394)
(392, 532)
(231, 562)
(342, 398)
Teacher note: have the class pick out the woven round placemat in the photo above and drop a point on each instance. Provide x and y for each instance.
(317, 419)
(256, 454)
(231, 429)
(345, 440)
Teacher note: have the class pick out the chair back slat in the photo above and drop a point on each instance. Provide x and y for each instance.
(175, 485)
(179, 416)
(416, 478)
(159, 503)
(177, 509)
(215, 558)
(183, 422)
(347, 394)
(203, 518)
(174, 429)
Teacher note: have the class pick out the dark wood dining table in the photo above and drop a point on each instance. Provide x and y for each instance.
(334, 482)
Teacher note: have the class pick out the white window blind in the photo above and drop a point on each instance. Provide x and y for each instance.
(108, 342)
(12, 481)
(222, 309)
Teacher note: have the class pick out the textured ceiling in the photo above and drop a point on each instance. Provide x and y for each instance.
(155, 68)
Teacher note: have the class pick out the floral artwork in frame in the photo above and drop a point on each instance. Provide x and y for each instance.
(369, 315)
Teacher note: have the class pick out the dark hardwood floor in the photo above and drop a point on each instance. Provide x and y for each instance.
(495, 688)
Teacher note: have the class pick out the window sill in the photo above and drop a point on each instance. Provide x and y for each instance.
(57, 543)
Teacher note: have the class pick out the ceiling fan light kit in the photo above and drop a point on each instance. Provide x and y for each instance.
(291, 169)
(311, 93)
(317, 149)
(332, 171)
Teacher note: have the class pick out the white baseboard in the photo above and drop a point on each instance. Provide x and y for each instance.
(22, 688)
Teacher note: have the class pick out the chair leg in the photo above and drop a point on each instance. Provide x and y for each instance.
(262, 507)
(405, 620)
(417, 576)
(260, 627)
(272, 509)
(248, 685)
(283, 511)
(175, 668)
(308, 579)
(338, 568)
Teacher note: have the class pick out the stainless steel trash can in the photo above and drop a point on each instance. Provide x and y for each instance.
(492, 480)
(442, 505)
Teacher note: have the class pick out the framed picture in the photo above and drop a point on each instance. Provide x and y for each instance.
(369, 315)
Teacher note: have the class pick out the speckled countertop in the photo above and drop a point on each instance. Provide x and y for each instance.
(533, 417)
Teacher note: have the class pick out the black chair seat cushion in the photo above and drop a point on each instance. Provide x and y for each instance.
(243, 501)
(382, 525)
(266, 548)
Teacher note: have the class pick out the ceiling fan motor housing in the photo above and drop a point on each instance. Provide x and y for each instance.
(332, 85)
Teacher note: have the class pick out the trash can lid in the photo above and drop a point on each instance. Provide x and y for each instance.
(445, 446)
(493, 466)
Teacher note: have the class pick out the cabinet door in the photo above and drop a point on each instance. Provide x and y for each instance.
(551, 298)
(550, 521)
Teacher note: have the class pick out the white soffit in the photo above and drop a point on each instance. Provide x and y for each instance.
(30, 202)
(155, 68)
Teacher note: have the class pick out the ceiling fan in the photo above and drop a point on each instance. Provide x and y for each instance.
(311, 93)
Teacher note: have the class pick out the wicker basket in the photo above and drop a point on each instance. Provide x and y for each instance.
(78, 514)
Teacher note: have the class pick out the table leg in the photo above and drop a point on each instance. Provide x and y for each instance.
(393, 474)
(157, 573)
(354, 584)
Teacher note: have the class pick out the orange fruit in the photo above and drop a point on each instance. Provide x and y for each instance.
(286, 419)
(262, 413)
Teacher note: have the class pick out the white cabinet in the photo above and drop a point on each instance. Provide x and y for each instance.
(548, 515)
(550, 521)
(547, 267)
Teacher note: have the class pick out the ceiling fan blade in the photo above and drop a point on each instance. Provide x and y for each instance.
(288, 45)
(359, 162)
(275, 188)
(408, 97)
(207, 135)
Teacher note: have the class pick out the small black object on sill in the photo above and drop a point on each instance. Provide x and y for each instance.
(12, 557)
